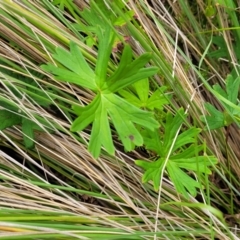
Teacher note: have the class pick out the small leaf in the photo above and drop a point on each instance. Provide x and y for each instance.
(182, 156)
(186, 137)
(152, 171)
(130, 97)
(172, 125)
(182, 182)
(158, 99)
(198, 164)
(216, 118)
(8, 119)
(104, 50)
(142, 99)
(232, 87)
(27, 128)
(77, 70)
(142, 90)
(120, 21)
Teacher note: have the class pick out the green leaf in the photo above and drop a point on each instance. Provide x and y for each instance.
(198, 164)
(152, 140)
(218, 89)
(106, 106)
(76, 68)
(126, 81)
(120, 21)
(158, 99)
(183, 183)
(123, 116)
(87, 114)
(172, 125)
(104, 50)
(8, 119)
(184, 155)
(95, 113)
(142, 99)
(188, 152)
(130, 97)
(222, 50)
(142, 90)
(27, 128)
(216, 118)
(186, 137)
(232, 87)
(61, 3)
(129, 73)
(152, 171)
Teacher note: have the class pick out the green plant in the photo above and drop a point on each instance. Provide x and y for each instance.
(106, 102)
(59, 179)
(218, 119)
(12, 114)
(178, 152)
(138, 95)
(128, 114)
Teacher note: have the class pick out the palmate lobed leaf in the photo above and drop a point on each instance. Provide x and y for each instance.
(142, 99)
(183, 183)
(124, 117)
(182, 156)
(106, 105)
(161, 145)
(218, 119)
